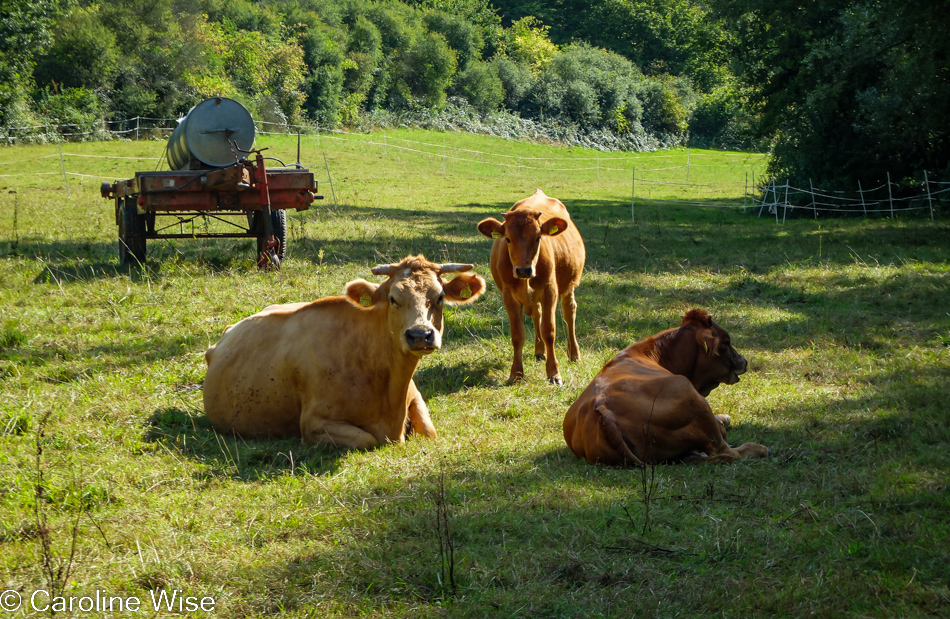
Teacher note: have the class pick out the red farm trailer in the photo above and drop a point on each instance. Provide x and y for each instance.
(215, 176)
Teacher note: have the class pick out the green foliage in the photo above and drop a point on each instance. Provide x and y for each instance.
(588, 86)
(83, 53)
(516, 79)
(461, 35)
(78, 110)
(678, 37)
(527, 42)
(719, 119)
(25, 32)
(480, 85)
(427, 69)
(663, 111)
(849, 91)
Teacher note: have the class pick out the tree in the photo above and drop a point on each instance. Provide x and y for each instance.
(848, 90)
(25, 31)
(679, 37)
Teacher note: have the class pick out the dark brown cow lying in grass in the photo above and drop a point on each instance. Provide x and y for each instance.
(337, 371)
(648, 404)
(537, 258)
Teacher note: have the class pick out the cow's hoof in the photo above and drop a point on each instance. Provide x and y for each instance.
(538, 357)
(556, 381)
(512, 380)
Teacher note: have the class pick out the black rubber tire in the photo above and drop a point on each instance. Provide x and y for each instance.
(131, 234)
(278, 220)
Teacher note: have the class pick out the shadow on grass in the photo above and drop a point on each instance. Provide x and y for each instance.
(584, 535)
(192, 436)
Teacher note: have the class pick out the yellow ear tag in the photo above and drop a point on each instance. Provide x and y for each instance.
(466, 293)
(366, 300)
(706, 346)
(553, 230)
(496, 235)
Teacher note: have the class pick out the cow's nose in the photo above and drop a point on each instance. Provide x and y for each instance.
(524, 272)
(742, 366)
(420, 337)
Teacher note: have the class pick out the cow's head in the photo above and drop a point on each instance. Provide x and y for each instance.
(716, 360)
(522, 231)
(413, 297)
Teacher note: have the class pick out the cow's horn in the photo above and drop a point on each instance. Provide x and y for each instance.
(383, 269)
(453, 267)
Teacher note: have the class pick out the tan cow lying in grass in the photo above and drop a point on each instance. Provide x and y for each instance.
(537, 258)
(648, 404)
(337, 371)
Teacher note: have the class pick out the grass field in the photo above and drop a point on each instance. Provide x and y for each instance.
(844, 322)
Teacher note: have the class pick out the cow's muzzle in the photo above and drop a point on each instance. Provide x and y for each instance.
(740, 367)
(421, 340)
(524, 272)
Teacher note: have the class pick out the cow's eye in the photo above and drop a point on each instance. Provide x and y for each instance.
(441, 299)
(507, 240)
(392, 301)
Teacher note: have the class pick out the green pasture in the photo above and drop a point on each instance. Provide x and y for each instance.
(106, 456)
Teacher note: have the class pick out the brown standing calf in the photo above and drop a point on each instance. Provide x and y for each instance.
(648, 404)
(537, 258)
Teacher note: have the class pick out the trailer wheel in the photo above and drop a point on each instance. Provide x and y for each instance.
(278, 220)
(131, 234)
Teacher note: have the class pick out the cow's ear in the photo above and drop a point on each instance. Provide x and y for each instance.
(361, 293)
(492, 228)
(464, 288)
(553, 226)
(709, 343)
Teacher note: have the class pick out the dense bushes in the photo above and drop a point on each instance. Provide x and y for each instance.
(331, 62)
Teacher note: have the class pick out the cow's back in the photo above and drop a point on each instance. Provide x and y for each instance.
(265, 367)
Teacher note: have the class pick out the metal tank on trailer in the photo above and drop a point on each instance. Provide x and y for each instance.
(215, 174)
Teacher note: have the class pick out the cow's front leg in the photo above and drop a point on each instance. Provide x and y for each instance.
(318, 431)
(419, 420)
(516, 320)
(548, 334)
(569, 309)
(539, 352)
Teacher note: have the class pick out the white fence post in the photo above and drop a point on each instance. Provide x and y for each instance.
(929, 199)
(814, 207)
(861, 193)
(633, 196)
(890, 196)
(330, 178)
(62, 162)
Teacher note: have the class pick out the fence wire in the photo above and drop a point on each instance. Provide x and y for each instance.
(772, 198)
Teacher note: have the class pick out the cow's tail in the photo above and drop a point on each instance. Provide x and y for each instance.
(614, 436)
